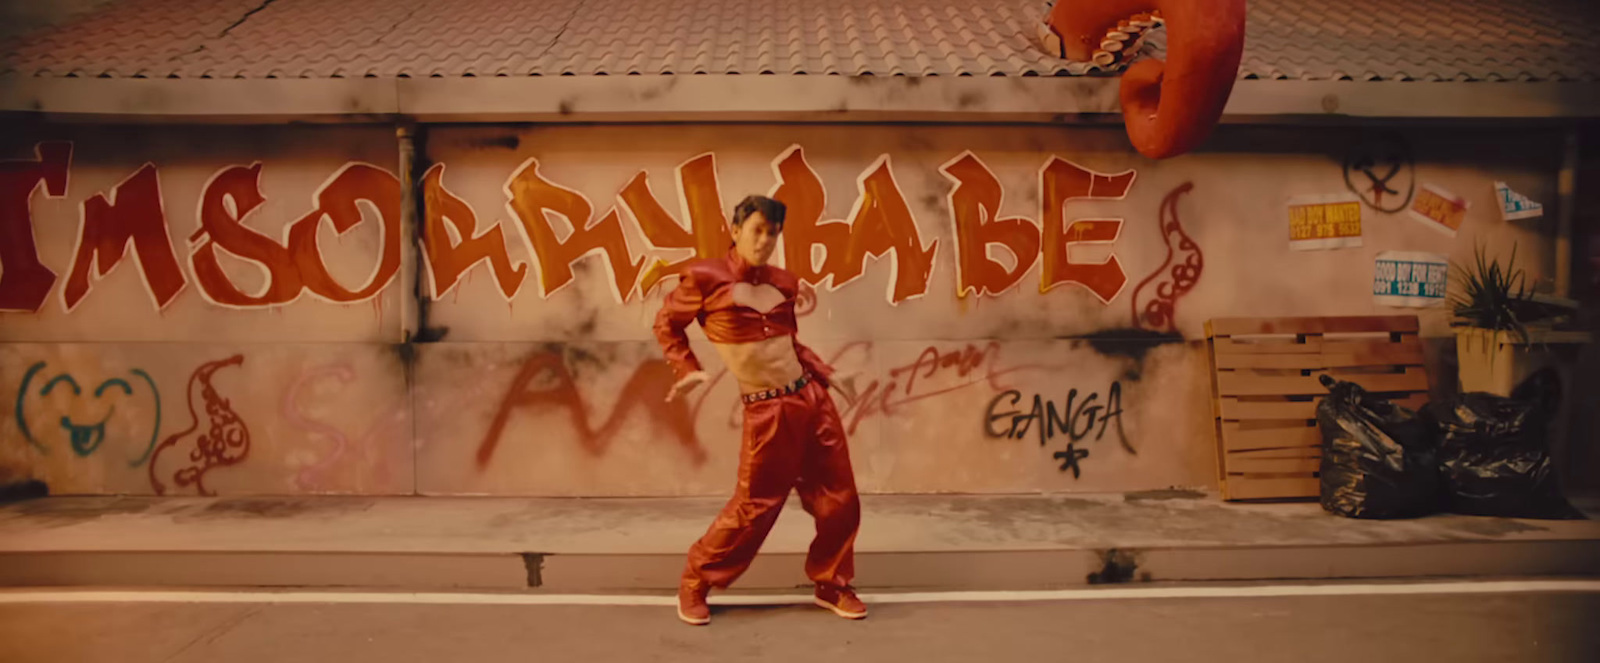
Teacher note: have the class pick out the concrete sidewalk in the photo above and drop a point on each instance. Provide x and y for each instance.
(920, 542)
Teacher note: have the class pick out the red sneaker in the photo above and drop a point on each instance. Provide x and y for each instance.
(842, 601)
(692, 608)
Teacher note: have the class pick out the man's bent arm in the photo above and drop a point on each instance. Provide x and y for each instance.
(812, 363)
(677, 313)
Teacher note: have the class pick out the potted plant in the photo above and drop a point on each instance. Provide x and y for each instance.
(1504, 331)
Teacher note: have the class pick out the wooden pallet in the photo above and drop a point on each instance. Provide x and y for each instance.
(1265, 388)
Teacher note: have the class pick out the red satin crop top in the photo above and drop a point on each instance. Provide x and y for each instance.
(705, 293)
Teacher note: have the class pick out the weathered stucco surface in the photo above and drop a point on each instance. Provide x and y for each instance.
(529, 393)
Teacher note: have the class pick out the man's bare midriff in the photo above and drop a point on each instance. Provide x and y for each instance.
(761, 365)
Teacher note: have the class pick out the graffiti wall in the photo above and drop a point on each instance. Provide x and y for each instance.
(216, 310)
(205, 418)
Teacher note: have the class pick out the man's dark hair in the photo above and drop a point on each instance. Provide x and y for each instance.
(771, 209)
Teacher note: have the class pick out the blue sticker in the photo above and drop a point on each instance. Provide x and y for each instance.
(1410, 279)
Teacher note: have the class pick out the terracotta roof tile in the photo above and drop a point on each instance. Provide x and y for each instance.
(1287, 39)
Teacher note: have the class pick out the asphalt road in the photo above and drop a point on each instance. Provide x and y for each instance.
(1531, 626)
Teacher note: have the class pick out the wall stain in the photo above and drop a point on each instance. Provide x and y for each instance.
(1495, 527)
(589, 324)
(534, 562)
(655, 92)
(1005, 513)
(1163, 495)
(1117, 567)
(575, 357)
(23, 490)
(1129, 343)
(60, 512)
(406, 353)
(508, 142)
(277, 508)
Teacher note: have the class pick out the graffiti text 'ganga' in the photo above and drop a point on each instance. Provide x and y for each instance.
(1076, 419)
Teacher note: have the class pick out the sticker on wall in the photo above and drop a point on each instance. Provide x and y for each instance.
(1439, 209)
(1324, 222)
(1410, 279)
(1513, 205)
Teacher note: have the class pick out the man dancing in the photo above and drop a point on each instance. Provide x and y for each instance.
(793, 438)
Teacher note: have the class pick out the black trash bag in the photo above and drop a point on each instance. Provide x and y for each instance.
(1494, 453)
(1378, 458)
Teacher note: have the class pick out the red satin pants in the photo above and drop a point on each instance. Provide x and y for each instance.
(794, 441)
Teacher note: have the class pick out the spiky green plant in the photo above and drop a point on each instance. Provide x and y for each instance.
(1491, 297)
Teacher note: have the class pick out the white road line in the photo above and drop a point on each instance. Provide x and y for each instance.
(15, 596)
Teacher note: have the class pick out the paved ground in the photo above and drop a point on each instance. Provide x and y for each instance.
(907, 542)
(923, 523)
(1532, 626)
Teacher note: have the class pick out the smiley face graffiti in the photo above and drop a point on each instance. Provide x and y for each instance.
(85, 430)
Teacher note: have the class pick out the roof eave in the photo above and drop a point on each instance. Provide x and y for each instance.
(761, 98)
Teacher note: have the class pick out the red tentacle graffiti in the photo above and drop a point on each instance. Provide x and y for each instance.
(1158, 305)
(646, 388)
(225, 442)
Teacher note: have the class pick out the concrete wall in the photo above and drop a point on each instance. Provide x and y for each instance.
(282, 373)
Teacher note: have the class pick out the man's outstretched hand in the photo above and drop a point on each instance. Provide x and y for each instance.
(686, 385)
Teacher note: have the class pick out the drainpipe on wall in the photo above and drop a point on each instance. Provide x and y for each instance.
(413, 304)
(411, 300)
(1566, 204)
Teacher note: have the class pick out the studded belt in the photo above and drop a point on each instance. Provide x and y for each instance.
(768, 394)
